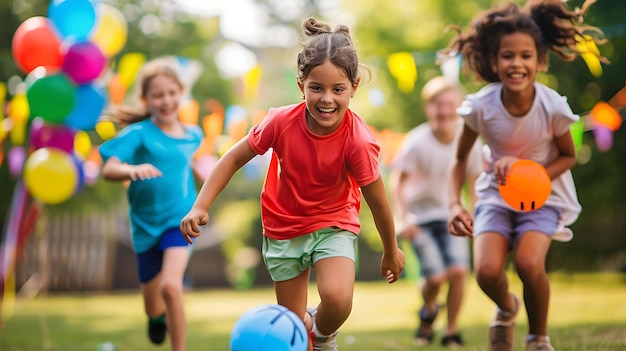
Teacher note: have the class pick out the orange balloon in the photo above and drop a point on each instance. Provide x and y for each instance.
(606, 116)
(527, 187)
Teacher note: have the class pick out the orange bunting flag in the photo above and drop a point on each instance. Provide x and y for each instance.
(237, 129)
(117, 90)
(188, 112)
(605, 115)
(212, 125)
(207, 147)
(215, 106)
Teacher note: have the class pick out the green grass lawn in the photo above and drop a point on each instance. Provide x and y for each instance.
(588, 312)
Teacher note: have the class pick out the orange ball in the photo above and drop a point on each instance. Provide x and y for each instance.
(527, 186)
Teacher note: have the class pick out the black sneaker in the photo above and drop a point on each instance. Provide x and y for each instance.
(452, 341)
(424, 334)
(157, 329)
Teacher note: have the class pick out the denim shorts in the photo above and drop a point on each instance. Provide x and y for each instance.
(512, 225)
(287, 259)
(437, 249)
(149, 262)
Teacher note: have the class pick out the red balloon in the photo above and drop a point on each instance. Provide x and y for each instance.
(36, 44)
(527, 186)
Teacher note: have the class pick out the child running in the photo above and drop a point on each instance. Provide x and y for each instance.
(419, 186)
(324, 157)
(517, 118)
(154, 152)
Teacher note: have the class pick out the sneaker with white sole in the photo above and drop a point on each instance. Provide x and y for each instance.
(502, 328)
(322, 342)
(539, 345)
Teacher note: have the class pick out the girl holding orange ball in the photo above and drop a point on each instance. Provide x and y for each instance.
(517, 118)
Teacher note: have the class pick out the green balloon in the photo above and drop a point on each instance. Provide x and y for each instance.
(51, 98)
(577, 129)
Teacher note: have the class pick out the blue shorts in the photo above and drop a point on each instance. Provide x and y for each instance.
(438, 250)
(149, 262)
(287, 259)
(512, 225)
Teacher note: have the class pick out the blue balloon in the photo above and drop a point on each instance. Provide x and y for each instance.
(80, 176)
(269, 327)
(73, 18)
(90, 101)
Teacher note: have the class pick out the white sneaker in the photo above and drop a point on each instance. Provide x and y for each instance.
(321, 342)
(539, 346)
(325, 343)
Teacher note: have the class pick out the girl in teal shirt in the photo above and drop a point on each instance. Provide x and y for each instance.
(155, 153)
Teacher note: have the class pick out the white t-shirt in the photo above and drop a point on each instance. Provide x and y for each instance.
(527, 137)
(426, 161)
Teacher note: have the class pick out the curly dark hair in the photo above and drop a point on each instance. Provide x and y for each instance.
(552, 26)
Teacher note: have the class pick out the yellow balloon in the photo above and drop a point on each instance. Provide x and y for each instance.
(111, 30)
(50, 175)
(129, 66)
(590, 54)
(18, 133)
(82, 144)
(106, 130)
(3, 95)
(19, 108)
(402, 67)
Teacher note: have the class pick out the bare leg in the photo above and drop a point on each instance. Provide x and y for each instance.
(175, 261)
(293, 294)
(431, 289)
(457, 277)
(530, 260)
(335, 285)
(490, 252)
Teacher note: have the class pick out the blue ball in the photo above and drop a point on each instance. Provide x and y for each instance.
(269, 327)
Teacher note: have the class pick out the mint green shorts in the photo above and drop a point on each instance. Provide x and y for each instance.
(287, 259)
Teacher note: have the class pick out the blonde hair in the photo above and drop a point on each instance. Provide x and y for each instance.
(124, 115)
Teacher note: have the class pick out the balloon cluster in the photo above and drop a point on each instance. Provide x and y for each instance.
(64, 57)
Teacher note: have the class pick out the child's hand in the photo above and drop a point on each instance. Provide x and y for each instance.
(143, 171)
(502, 168)
(392, 265)
(461, 222)
(190, 224)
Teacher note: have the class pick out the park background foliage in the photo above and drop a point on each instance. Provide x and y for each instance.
(380, 29)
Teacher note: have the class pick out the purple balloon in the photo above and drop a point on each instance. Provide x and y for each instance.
(43, 135)
(16, 158)
(604, 138)
(83, 62)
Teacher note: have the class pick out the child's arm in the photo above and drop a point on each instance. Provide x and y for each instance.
(460, 219)
(114, 169)
(224, 169)
(567, 156)
(393, 258)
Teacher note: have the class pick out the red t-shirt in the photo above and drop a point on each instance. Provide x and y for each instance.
(313, 181)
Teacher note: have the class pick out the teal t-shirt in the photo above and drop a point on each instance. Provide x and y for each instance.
(160, 203)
